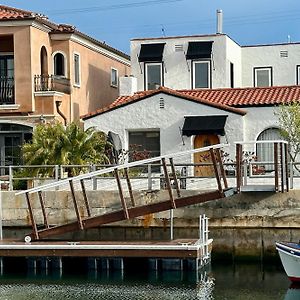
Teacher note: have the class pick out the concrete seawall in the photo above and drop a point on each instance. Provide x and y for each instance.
(242, 226)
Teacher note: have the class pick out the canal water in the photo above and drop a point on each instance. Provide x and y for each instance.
(219, 281)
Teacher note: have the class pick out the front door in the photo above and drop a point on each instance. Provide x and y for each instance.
(200, 141)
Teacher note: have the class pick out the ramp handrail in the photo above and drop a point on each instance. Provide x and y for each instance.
(118, 167)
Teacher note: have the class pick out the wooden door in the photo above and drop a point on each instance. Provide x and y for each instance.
(200, 141)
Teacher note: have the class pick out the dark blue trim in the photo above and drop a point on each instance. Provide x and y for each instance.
(289, 251)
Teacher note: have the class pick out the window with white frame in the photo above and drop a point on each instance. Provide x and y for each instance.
(201, 74)
(153, 76)
(59, 64)
(265, 151)
(77, 69)
(263, 76)
(114, 77)
(298, 74)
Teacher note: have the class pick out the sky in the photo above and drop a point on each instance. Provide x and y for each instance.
(116, 22)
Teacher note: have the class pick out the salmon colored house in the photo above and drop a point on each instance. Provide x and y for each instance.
(50, 71)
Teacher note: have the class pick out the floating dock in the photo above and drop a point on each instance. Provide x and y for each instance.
(173, 255)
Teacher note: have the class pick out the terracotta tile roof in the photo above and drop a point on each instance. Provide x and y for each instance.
(243, 97)
(11, 13)
(125, 100)
(227, 99)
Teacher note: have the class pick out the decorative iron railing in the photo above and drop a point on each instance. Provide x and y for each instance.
(7, 90)
(44, 83)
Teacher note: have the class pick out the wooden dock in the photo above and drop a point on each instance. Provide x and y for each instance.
(44, 256)
(182, 248)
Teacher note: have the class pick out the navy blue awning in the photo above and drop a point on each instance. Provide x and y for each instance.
(151, 52)
(196, 125)
(199, 50)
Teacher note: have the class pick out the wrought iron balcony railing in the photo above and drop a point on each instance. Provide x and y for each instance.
(44, 83)
(7, 90)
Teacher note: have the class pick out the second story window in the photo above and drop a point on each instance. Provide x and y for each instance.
(59, 64)
(201, 74)
(263, 77)
(7, 66)
(114, 77)
(153, 76)
(298, 75)
(76, 69)
(152, 57)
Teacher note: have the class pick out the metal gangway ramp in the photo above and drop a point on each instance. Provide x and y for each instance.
(129, 208)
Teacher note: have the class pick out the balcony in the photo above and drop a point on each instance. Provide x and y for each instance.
(52, 83)
(7, 90)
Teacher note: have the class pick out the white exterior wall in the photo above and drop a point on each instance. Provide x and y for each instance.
(146, 115)
(177, 70)
(284, 68)
(233, 55)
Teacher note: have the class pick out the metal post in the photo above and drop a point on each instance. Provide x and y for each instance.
(56, 174)
(200, 228)
(245, 173)
(1, 228)
(10, 174)
(149, 178)
(171, 224)
(94, 179)
(291, 175)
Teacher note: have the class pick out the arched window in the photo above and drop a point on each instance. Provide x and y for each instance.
(265, 152)
(59, 64)
(44, 61)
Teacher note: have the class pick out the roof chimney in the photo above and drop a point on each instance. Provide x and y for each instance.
(128, 85)
(219, 21)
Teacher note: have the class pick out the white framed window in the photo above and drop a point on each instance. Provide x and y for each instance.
(201, 74)
(153, 76)
(59, 64)
(114, 79)
(265, 151)
(298, 74)
(263, 77)
(76, 69)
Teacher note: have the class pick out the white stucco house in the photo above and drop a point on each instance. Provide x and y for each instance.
(212, 61)
(165, 121)
(186, 92)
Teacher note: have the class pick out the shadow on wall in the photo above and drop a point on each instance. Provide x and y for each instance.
(99, 92)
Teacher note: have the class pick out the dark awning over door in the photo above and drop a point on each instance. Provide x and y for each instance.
(151, 52)
(199, 50)
(196, 125)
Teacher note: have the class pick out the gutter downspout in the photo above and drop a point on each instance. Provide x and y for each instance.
(58, 103)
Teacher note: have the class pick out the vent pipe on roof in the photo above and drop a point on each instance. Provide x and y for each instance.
(219, 21)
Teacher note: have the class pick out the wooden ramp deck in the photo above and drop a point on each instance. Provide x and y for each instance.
(129, 208)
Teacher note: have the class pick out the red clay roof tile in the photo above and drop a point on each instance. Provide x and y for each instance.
(11, 13)
(226, 98)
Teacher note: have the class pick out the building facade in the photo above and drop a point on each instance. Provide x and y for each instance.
(50, 72)
(212, 61)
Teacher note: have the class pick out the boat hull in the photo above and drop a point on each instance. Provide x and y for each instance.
(290, 257)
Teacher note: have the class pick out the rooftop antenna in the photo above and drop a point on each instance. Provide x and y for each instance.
(163, 30)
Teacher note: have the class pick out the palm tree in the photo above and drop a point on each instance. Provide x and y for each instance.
(54, 144)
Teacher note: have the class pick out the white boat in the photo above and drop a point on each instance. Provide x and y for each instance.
(289, 253)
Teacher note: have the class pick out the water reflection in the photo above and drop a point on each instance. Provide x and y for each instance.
(220, 282)
(293, 293)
